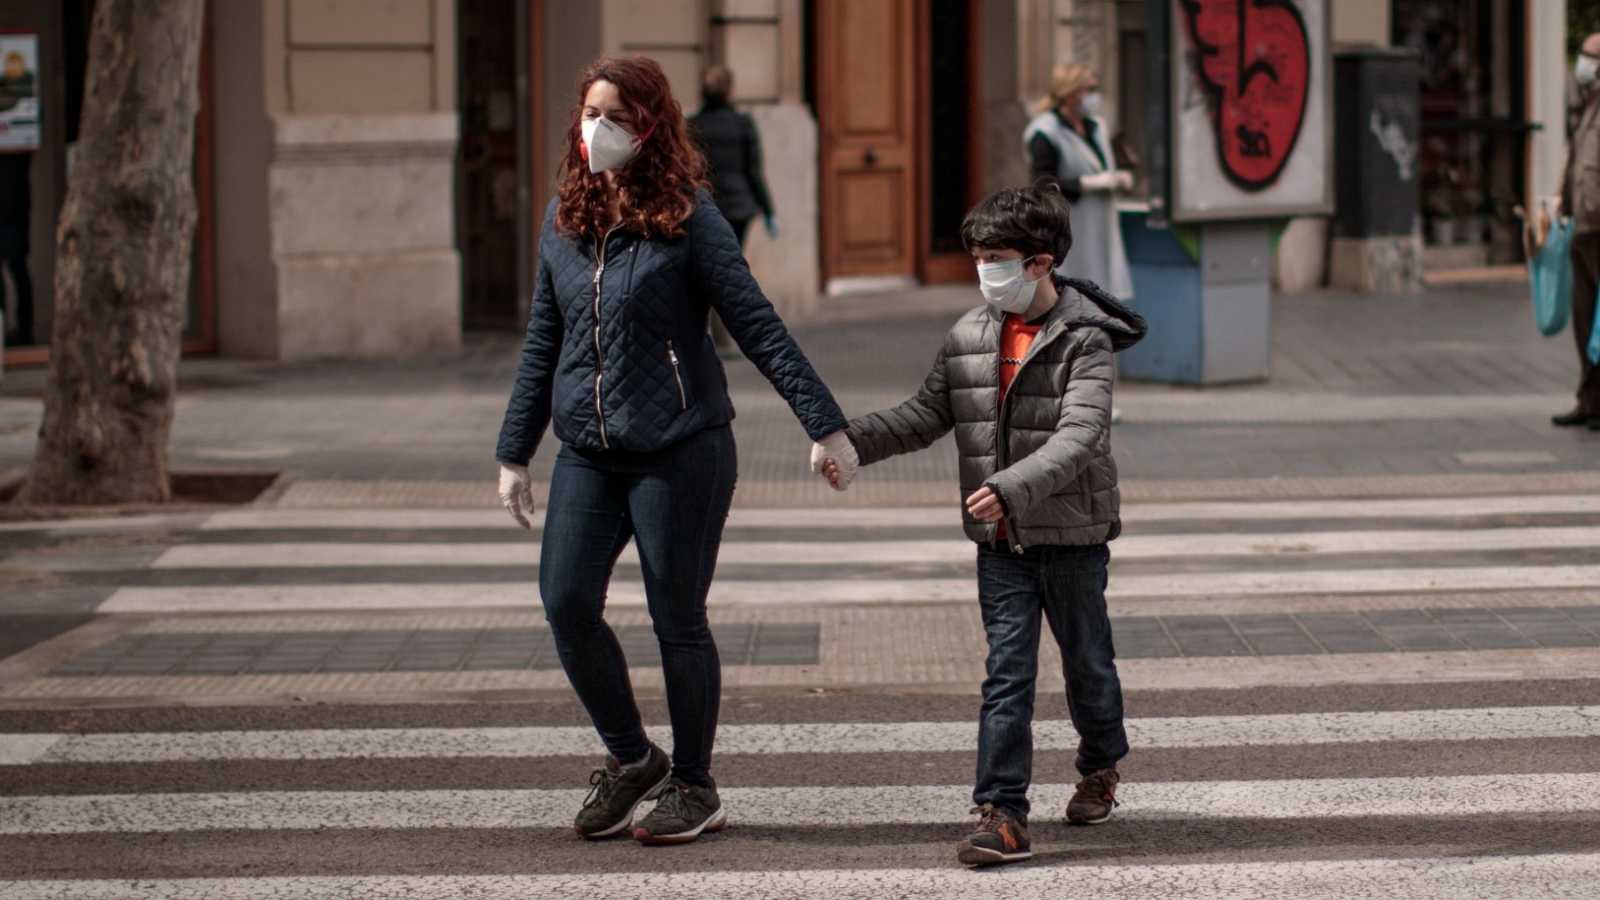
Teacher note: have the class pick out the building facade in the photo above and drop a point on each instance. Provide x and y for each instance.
(372, 172)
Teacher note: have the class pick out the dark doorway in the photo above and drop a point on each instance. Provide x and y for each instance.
(950, 128)
(489, 181)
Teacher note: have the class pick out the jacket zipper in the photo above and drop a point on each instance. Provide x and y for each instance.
(1000, 423)
(599, 354)
(683, 398)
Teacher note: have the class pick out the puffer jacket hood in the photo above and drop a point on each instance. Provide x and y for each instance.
(1086, 304)
(1046, 450)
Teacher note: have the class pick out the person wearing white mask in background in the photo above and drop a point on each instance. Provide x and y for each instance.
(1067, 144)
(1580, 198)
(633, 257)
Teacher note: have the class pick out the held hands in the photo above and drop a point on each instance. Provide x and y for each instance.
(835, 459)
(516, 493)
(984, 505)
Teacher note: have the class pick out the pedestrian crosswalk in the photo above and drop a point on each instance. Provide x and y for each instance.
(1330, 698)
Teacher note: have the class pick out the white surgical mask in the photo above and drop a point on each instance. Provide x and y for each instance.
(1585, 71)
(609, 146)
(1005, 286)
(1092, 102)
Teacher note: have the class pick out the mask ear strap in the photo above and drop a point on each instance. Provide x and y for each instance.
(646, 136)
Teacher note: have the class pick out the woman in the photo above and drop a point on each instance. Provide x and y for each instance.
(1067, 143)
(632, 257)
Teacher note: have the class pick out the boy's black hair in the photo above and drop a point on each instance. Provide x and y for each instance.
(1031, 220)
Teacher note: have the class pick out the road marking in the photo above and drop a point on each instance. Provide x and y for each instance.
(798, 807)
(1547, 877)
(1503, 723)
(832, 553)
(627, 592)
(890, 517)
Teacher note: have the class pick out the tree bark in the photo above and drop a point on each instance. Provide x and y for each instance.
(122, 261)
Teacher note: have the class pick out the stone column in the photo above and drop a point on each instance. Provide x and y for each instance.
(762, 42)
(336, 136)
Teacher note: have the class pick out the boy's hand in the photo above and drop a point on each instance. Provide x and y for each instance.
(984, 505)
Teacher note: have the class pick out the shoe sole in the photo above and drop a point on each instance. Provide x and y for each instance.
(1100, 821)
(715, 823)
(627, 820)
(979, 856)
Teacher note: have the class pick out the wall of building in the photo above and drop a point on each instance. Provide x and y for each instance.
(1546, 101)
(336, 146)
(762, 43)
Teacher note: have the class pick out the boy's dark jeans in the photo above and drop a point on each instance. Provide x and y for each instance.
(1067, 585)
(673, 504)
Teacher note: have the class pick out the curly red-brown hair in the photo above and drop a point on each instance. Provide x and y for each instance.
(657, 187)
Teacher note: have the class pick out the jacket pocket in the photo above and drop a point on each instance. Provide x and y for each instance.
(677, 377)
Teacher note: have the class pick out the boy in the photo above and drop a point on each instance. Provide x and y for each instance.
(1025, 382)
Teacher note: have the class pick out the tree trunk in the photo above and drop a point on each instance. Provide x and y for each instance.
(122, 261)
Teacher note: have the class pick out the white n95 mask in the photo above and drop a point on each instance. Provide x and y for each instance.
(1005, 287)
(608, 146)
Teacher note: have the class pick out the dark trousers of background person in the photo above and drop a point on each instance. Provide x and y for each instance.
(14, 259)
(1585, 280)
(673, 504)
(719, 334)
(1067, 587)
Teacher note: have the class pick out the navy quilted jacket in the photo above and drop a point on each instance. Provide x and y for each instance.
(617, 355)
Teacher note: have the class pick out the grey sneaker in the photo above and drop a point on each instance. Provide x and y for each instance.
(685, 811)
(617, 792)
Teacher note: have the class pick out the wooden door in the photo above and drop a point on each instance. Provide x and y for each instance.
(867, 104)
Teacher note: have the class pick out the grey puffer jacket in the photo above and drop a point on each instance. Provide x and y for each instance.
(1047, 453)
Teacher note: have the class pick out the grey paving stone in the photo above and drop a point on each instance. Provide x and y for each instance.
(1420, 637)
(1489, 637)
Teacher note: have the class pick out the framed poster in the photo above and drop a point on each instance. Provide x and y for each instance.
(19, 92)
(1251, 109)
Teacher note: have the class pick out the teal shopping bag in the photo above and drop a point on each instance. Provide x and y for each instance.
(1594, 338)
(1551, 272)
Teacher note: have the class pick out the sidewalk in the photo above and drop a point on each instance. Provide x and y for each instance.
(1451, 383)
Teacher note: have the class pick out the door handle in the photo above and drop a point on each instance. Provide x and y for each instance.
(869, 158)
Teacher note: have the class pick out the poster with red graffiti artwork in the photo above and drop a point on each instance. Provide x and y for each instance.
(1251, 109)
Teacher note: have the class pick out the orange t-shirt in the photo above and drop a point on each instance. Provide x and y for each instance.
(1016, 338)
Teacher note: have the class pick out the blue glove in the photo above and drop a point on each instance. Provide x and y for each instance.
(772, 225)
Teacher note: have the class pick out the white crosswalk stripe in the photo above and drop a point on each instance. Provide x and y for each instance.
(1505, 723)
(1545, 877)
(795, 807)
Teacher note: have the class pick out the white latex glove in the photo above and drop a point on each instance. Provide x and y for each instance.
(1107, 181)
(836, 447)
(1099, 181)
(516, 493)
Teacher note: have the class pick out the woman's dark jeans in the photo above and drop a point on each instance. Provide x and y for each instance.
(673, 504)
(1068, 586)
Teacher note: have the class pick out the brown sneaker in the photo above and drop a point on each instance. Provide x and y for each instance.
(1094, 799)
(999, 838)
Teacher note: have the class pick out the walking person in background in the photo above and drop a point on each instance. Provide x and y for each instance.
(632, 258)
(732, 146)
(1580, 198)
(1067, 144)
(733, 153)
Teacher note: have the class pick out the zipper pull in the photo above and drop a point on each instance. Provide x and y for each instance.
(671, 353)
